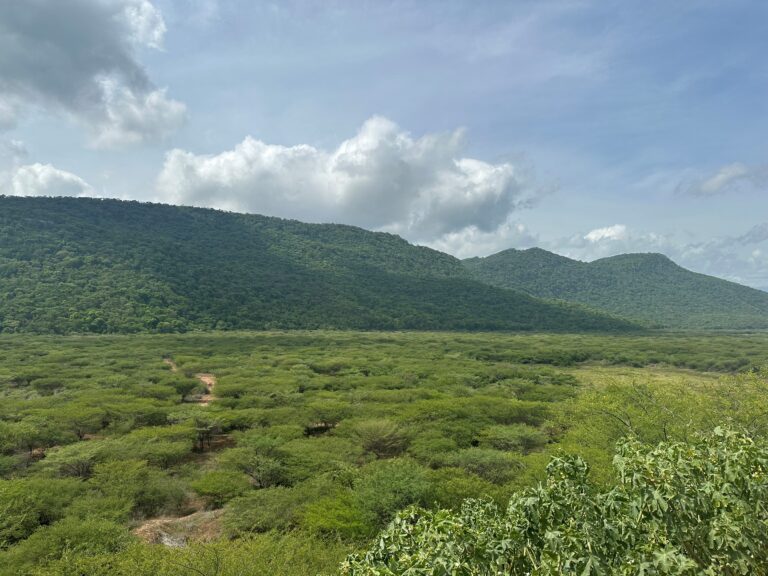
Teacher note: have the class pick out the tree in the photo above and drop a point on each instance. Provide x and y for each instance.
(264, 471)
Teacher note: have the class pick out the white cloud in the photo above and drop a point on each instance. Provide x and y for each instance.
(615, 232)
(728, 179)
(609, 241)
(381, 178)
(472, 241)
(79, 59)
(45, 180)
(131, 118)
(145, 23)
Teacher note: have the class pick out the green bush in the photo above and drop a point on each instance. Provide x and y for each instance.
(272, 554)
(383, 438)
(679, 509)
(68, 537)
(264, 471)
(276, 508)
(28, 503)
(493, 465)
(220, 486)
(340, 515)
(449, 487)
(385, 486)
(515, 438)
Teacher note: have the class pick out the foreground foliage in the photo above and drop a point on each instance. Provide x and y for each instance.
(679, 508)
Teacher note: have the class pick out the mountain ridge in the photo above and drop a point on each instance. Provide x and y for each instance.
(109, 266)
(646, 287)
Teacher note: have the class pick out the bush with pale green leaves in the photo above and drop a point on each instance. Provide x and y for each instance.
(678, 508)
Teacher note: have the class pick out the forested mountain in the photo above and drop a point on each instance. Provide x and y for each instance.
(649, 288)
(89, 265)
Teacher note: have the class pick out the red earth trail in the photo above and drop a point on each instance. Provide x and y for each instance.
(208, 380)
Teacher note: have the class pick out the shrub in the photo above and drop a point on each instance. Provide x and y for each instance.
(383, 438)
(678, 509)
(493, 465)
(515, 438)
(70, 536)
(386, 486)
(220, 486)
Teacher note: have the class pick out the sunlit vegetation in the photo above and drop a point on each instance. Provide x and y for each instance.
(648, 288)
(680, 508)
(79, 265)
(314, 441)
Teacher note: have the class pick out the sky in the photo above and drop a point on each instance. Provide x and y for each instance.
(585, 127)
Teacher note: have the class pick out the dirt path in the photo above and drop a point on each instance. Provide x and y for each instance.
(202, 526)
(171, 363)
(209, 381)
(206, 379)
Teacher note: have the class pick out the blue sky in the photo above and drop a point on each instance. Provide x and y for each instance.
(586, 127)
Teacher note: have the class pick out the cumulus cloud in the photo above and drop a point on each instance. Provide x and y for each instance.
(381, 178)
(80, 59)
(609, 241)
(45, 180)
(728, 179)
(472, 241)
(615, 232)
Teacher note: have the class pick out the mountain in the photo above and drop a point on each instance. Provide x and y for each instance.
(88, 265)
(648, 288)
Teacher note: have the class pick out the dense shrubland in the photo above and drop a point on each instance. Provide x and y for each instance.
(317, 439)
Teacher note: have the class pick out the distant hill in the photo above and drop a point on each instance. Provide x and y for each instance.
(649, 288)
(107, 266)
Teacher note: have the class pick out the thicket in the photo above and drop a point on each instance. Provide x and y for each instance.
(317, 439)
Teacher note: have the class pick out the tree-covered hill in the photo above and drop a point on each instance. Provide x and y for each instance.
(88, 265)
(649, 288)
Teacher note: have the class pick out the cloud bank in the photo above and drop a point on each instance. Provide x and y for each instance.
(80, 59)
(45, 180)
(382, 178)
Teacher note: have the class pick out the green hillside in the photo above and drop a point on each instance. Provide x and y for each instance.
(86, 265)
(645, 287)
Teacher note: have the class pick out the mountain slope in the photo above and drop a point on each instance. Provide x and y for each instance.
(645, 287)
(86, 265)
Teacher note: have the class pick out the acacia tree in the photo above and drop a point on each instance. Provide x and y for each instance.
(698, 508)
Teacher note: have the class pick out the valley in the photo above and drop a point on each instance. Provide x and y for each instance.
(316, 439)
